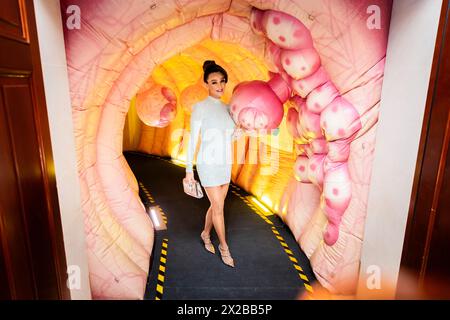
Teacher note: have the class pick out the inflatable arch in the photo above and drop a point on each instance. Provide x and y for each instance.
(322, 58)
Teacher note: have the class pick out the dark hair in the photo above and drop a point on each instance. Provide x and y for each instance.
(210, 66)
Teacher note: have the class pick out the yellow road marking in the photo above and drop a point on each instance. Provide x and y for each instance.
(298, 267)
(303, 277)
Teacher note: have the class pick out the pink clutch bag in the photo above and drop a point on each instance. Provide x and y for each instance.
(193, 189)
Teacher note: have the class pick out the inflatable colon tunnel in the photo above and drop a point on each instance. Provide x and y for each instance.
(311, 68)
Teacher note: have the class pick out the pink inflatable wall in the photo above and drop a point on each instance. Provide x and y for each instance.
(325, 57)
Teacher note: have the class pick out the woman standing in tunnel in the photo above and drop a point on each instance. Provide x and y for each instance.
(211, 120)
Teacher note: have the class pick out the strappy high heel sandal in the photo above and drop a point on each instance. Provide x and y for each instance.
(226, 257)
(208, 244)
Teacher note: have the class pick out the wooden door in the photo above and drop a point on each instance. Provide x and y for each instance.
(426, 251)
(32, 258)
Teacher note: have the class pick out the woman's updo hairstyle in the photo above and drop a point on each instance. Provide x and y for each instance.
(210, 66)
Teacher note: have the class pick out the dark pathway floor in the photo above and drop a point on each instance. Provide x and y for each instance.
(269, 263)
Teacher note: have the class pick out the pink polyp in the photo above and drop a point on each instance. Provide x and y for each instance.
(342, 119)
(302, 63)
(247, 117)
(258, 96)
(310, 122)
(337, 178)
(304, 86)
(334, 217)
(301, 169)
(320, 97)
(251, 118)
(331, 234)
(156, 106)
(289, 33)
(261, 121)
(316, 173)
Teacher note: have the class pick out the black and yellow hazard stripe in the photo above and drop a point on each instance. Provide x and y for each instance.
(162, 214)
(147, 194)
(163, 256)
(253, 207)
(235, 187)
(294, 261)
(152, 201)
(161, 270)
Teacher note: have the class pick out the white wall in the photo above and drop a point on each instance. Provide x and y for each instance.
(409, 57)
(54, 68)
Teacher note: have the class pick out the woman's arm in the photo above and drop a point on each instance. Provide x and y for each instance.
(196, 122)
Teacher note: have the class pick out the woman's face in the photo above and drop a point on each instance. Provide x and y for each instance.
(216, 84)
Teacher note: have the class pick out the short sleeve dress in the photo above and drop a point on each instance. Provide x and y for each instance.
(211, 120)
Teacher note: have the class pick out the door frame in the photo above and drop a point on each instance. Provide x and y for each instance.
(429, 172)
(21, 59)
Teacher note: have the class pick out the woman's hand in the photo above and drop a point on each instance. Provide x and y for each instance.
(189, 177)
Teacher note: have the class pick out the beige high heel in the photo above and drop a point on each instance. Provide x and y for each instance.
(226, 257)
(208, 244)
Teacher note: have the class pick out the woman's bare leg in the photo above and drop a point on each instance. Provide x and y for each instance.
(208, 221)
(208, 218)
(216, 197)
(224, 190)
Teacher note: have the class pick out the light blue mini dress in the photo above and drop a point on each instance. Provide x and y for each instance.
(211, 119)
